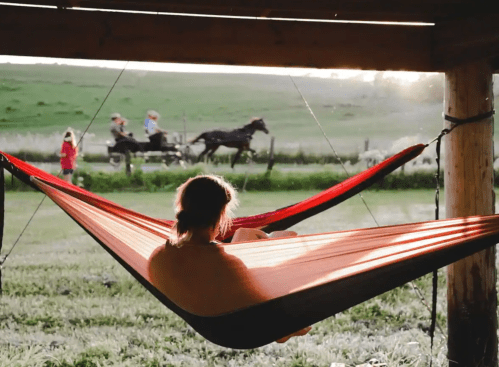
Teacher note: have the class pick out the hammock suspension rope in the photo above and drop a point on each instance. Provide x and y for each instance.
(456, 122)
(444, 132)
(435, 272)
(331, 146)
(438, 139)
(4, 258)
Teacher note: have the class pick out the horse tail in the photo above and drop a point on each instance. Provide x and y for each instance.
(196, 139)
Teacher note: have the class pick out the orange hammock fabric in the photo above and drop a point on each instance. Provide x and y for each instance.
(272, 221)
(249, 294)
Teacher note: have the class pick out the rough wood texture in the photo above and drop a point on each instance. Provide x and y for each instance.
(472, 299)
(138, 37)
(463, 40)
(374, 10)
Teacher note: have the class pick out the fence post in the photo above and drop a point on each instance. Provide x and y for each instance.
(185, 130)
(271, 155)
(128, 163)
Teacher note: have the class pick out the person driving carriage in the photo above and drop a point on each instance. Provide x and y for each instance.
(121, 136)
(156, 135)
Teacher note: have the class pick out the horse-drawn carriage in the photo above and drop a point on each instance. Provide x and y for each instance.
(178, 152)
(171, 151)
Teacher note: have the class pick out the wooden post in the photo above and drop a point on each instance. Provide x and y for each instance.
(128, 163)
(185, 130)
(271, 155)
(471, 294)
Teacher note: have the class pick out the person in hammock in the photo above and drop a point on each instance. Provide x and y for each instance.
(190, 269)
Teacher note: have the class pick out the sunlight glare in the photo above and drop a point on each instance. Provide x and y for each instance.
(363, 75)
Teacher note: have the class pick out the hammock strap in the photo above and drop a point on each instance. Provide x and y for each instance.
(435, 272)
(331, 146)
(476, 118)
(435, 275)
(4, 258)
(456, 121)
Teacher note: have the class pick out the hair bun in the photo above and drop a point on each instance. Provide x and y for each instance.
(188, 219)
(183, 216)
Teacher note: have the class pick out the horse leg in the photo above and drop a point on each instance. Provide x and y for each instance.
(213, 150)
(247, 147)
(206, 150)
(236, 157)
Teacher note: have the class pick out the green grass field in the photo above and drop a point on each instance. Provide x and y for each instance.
(45, 99)
(66, 302)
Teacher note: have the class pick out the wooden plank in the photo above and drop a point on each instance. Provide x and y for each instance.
(376, 10)
(466, 40)
(469, 190)
(138, 37)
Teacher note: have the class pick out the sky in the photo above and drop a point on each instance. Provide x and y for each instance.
(401, 76)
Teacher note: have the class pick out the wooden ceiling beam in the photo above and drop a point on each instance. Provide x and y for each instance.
(466, 40)
(367, 10)
(138, 37)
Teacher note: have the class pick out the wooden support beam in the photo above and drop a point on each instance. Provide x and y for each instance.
(369, 10)
(466, 40)
(138, 37)
(163, 38)
(472, 299)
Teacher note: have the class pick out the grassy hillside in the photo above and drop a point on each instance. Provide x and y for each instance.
(48, 98)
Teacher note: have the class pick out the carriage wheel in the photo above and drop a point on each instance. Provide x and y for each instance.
(116, 159)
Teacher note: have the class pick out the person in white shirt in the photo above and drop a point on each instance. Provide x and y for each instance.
(151, 123)
(156, 135)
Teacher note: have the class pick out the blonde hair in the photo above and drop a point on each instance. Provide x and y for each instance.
(201, 202)
(69, 136)
(153, 113)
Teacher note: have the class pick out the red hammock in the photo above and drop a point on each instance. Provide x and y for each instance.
(248, 294)
(279, 219)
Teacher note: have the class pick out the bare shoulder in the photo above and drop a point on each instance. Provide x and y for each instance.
(248, 234)
(277, 234)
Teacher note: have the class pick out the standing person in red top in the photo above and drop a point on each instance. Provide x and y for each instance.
(69, 152)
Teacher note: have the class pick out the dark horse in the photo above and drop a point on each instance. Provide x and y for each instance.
(238, 138)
